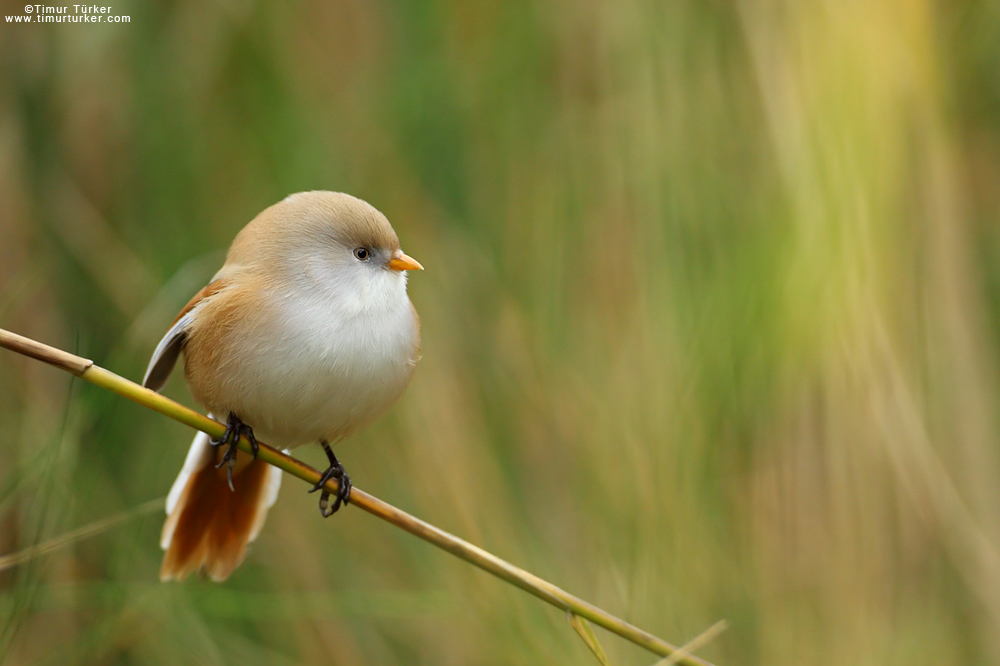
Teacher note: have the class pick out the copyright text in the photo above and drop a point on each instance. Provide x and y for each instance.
(68, 14)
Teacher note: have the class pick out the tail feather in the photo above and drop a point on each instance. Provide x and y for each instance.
(208, 526)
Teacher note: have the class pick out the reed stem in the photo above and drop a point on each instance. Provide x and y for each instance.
(87, 370)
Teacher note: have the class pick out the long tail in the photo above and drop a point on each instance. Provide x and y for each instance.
(208, 526)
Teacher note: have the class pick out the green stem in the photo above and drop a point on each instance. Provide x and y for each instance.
(542, 589)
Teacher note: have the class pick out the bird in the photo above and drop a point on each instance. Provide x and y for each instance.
(306, 334)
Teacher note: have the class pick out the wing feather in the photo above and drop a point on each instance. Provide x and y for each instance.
(169, 348)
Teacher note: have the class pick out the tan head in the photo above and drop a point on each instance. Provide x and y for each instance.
(326, 237)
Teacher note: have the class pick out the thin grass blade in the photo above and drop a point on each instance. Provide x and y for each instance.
(586, 632)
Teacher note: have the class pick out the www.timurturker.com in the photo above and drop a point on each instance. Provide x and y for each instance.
(68, 14)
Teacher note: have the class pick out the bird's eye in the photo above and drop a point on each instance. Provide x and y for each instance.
(362, 253)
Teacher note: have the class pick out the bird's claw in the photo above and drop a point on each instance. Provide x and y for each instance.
(334, 471)
(235, 428)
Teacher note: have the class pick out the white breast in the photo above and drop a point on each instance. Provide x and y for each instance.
(331, 363)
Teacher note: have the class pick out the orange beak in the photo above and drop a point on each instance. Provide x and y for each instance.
(402, 262)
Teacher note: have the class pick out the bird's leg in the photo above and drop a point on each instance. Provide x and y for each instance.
(235, 428)
(334, 471)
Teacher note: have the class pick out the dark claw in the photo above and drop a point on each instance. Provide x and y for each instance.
(334, 471)
(253, 441)
(229, 470)
(235, 428)
(231, 422)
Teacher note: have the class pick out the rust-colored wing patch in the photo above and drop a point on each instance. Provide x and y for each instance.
(209, 289)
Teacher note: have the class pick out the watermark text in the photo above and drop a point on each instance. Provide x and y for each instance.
(68, 14)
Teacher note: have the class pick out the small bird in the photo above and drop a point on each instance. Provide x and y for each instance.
(305, 335)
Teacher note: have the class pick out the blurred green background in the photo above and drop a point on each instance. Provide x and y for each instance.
(711, 323)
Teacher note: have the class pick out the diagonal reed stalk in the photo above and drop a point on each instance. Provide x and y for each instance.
(85, 369)
(94, 528)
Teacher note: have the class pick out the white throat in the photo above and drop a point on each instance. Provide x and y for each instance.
(344, 352)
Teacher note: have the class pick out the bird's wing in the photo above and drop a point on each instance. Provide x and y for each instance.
(169, 348)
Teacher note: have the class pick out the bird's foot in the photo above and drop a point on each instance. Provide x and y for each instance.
(235, 428)
(334, 471)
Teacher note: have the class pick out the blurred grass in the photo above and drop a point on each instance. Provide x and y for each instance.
(711, 321)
